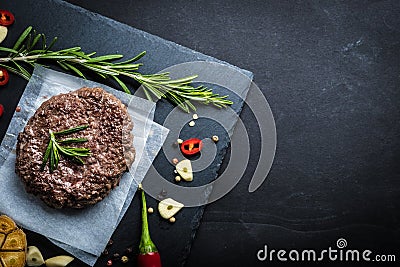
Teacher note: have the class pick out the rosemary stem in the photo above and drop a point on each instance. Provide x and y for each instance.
(31, 48)
(20, 58)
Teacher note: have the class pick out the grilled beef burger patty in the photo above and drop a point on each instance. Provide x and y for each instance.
(110, 142)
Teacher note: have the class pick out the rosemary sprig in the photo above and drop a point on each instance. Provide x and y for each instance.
(31, 48)
(55, 148)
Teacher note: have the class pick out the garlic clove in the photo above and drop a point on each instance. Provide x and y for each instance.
(3, 33)
(59, 261)
(34, 257)
(184, 168)
(169, 207)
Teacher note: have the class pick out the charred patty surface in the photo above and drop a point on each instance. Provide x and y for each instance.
(109, 139)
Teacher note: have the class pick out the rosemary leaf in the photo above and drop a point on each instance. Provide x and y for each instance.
(72, 130)
(5, 49)
(22, 38)
(122, 84)
(47, 154)
(72, 140)
(104, 58)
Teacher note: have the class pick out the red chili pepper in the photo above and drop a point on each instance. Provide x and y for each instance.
(4, 77)
(1, 110)
(191, 146)
(148, 253)
(6, 18)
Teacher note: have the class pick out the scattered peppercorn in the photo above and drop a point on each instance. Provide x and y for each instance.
(124, 259)
(175, 161)
(116, 255)
(18, 109)
(129, 250)
(105, 252)
(150, 210)
(172, 219)
(110, 242)
(109, 263)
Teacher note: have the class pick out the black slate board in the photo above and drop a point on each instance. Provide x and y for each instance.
(330, 71)
(76, 26)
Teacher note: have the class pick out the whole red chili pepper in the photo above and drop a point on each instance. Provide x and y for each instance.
(148, 253)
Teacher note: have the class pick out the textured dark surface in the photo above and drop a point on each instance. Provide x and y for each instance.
(104, 35)
(331, 73)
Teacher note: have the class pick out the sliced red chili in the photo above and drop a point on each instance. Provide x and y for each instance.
(4, 77)
(191, 146)
(6, 18)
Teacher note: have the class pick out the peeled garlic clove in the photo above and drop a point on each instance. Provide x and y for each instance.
(169, 207)
(3, 33)
(59, 261)
(34, 256)
(184, 168)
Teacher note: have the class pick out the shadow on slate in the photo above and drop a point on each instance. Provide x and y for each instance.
(76, 26)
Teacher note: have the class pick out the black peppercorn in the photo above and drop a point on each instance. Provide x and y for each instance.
(129, 250)
(116, 255)
(105, 252)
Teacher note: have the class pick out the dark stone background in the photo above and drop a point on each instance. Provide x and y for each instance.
(331, 73)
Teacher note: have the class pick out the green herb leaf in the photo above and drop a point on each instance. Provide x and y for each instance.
(55, 149)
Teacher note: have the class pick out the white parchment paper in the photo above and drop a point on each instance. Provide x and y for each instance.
(85, 231)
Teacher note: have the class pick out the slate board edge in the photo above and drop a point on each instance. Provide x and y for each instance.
(189, 50)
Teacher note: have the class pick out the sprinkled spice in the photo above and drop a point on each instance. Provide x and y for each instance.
(116, 255)
(150, 210)
(177, 178)
(195, 116)
(110, 242)
(175, 161)
(105, 252)
(18, 109)
(109, 263)
(129, 250)
(124, 259)
(172, 220)
(192, 123)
